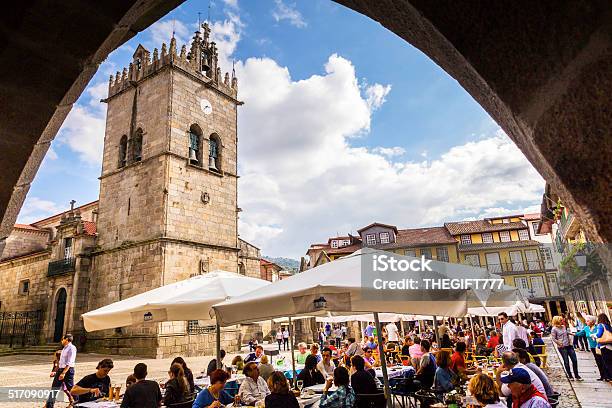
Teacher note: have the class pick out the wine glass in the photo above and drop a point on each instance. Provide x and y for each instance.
(300, 385)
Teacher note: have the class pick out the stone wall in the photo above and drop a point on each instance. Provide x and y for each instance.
(24, 241)
(32, 268)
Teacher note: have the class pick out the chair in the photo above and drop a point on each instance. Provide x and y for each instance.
(541, 353)
(185, 404)
(401, 392)
(377, 400)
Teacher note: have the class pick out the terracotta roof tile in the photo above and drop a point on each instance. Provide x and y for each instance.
(28, 227)
(471, 227)
(90, 228)
(393, 227)
(532, 216)
(415, 237)
(349, 249)
(497, 245)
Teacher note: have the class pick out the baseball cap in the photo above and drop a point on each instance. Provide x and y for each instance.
(516, 375)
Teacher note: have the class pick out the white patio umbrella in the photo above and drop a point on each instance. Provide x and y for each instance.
(341, 287)
(189, 299)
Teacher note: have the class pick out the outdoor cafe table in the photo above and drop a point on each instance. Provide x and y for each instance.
(98, 404)
(394, 371)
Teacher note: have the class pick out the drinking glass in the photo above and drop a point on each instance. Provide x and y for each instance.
(300, 385)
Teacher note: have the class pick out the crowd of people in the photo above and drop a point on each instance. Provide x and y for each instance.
(493, 361)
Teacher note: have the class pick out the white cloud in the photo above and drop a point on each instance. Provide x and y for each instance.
(35, 209)
(288, 12)
(303, 181)
(226, 34)
(83, 132)
(389, 151)
(231, 3)
(161, 32)
(376, 95)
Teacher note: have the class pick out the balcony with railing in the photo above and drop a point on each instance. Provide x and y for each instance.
(61, 267)
(519, 267)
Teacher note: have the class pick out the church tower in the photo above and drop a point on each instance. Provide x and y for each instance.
(168, 188)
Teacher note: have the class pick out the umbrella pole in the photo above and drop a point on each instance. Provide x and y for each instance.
(291, 350)
(218, 335)
(383, 360)
(435, 324)
(472, 325)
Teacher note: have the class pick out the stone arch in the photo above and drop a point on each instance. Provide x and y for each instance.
(137, 140)
(56, 317)
(215, 153)
(123, 151)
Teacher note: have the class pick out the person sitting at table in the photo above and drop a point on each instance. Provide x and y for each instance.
(130, 380)
(214, 395)
(481, 346)
(314, 350)
(458, 361)
(344, 396)
(368, 357)
(254, 388)
(427, 367)
(280, 396)
(265, 368)
(370, 343)
(254, 356)
(96, 385)
(445, 377)
(326, 366)
(416, 352)
(212, 365)
(238, 362)
(361, 380)
(177, 387)
(510, 361)
(144, 393)
(485, 391)
(186, 371)
(301, 354)
(493, 340)
(523, 357)
(310, 375)
(524, 393)
(521, 344)
(446, 342)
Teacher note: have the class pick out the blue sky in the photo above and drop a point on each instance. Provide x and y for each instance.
(344, 124)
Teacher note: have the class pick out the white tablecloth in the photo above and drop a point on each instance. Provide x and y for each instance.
(392, 372)
(98, 404)
(205, 381)
(318, 388)
(307, 402)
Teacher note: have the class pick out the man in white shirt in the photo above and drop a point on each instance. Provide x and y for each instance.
(326, 366)
(65, 374)
(392, 332)
(509, 330)
(522, 333)
(286, 339)
(254, 388)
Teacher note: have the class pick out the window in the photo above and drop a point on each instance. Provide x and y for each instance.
(123, 145)
(522, 285)
(466, 239)
(536, 225)
(410, 252)
(487, 238)
(524, 235)
(334, 244)
(547, 258)
(426, 252)
(194, 149)
(137, 146)
(214, 153)
(67, 248)
(506, 221)
(24, 287)
(442, 254)
(371, 239)
(472, 259)
(504, 236)
(384, 237)
(345, 242)
(241, 269)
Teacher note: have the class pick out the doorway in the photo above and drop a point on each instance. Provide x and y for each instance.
(60, 311)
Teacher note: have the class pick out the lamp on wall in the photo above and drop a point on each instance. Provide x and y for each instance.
(581, 259)
(320, 303)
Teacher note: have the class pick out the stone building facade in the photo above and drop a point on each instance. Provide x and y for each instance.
(167, 209)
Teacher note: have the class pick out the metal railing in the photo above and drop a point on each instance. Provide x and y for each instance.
(61, 267)
(21, 328)
(514, 267)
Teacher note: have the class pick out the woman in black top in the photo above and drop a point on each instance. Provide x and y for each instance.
(177, 387)
(280, 396)
(310, 375)
(187, 371)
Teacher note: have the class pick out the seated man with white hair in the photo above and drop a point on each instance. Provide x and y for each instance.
(509, 361)
(524, 393)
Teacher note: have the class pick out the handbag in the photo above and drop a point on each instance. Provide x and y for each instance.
(606, 337)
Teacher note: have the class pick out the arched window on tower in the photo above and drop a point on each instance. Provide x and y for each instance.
(214, 153)
(195, 145)
(137, 146)
(123, 145)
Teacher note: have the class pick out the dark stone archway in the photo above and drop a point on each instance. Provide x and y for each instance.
(540, 68)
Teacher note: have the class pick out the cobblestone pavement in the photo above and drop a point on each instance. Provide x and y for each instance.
(589, 393)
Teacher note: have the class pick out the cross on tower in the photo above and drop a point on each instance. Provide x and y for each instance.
(72, 203)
